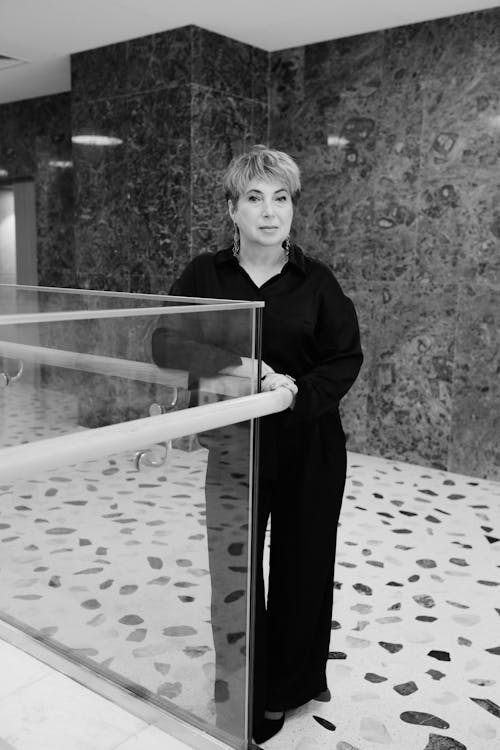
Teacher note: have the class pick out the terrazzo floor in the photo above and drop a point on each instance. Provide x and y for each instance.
(415, 646)
(415, 628)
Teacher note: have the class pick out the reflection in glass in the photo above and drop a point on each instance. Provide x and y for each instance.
(138, 571)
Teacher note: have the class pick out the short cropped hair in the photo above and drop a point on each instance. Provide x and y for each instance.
(261, 163)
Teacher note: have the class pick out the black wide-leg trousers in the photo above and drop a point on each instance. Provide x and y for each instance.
(292, 633)
(292, 630)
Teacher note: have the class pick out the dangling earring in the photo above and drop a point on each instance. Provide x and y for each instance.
(286, 246)
(236, 241)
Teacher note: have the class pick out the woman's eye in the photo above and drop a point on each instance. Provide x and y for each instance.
(282, 198)
(252, 198)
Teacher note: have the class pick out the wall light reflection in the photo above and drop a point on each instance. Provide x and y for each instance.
(337, 140)
(96, 140)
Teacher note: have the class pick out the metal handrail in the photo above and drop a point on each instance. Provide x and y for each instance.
(22, 461)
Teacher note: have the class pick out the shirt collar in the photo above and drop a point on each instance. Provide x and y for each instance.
(295, 257)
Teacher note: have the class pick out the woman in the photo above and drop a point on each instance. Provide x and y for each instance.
(310, 345)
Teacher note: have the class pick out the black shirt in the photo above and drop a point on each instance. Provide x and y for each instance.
(310, 329)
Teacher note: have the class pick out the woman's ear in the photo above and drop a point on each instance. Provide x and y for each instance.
(230, 208)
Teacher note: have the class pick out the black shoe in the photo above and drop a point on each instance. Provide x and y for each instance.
(267, 728)
(324, 696)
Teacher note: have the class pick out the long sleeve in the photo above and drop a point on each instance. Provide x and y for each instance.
(192, 341)
(339, 355)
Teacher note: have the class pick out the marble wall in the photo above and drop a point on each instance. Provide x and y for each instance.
(182, 102)
(397, 133)
(405, 210)
(35, 139)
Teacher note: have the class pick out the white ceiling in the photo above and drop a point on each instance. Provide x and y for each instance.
(46, 32)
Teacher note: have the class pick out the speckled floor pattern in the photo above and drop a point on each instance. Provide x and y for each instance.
(108, 562)
(415, 647)
(415, 644)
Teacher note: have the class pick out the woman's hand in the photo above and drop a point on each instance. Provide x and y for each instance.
(278, 380)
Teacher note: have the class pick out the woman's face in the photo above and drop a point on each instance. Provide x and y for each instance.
(263, 213)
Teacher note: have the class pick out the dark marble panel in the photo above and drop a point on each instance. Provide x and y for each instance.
(317, 223)
(460, 134)
(158, 184)
(409, 399)
(393, 181)
(365, 232)
(353, 406)
(20, 125)
(399, 137)
(133, 199)
(55, 219)
(440, 49)
(159, 61)
(229, 66)
(17, 154)
(475, 447)
(459, 231)
(100, 190)
(148, 63)
(336, 213)
(99, 73)
(112, 282)
(339, 67)
(50, 117)
(407, 209)
(461, 154)
(323, 93)
(358, 144)
(222, 126)
(300, 130)
(287, 81)
(480, 259)
(486, 39)
(447, 228)
(33, 135)
(54, 191)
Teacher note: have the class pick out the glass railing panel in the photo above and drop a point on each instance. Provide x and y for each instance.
(18, 299)
(72, 374)
(135, 564)
(141, 573)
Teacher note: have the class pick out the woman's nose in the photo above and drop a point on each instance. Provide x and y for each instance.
(267, 209)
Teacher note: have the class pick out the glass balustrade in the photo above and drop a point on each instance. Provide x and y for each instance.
(125, 528)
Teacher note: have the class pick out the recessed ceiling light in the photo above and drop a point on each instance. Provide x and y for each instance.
(96, 140)
(60, 163)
